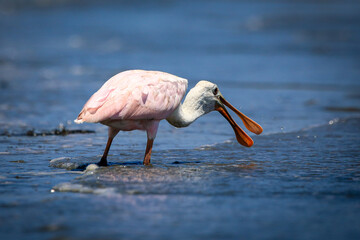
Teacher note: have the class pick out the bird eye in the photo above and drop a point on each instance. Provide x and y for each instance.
(215, 91)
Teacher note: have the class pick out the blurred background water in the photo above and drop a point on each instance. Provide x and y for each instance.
(293, 66)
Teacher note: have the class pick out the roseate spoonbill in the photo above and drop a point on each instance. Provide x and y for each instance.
(139, 100)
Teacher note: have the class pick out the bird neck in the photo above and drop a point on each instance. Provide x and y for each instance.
(187, 113)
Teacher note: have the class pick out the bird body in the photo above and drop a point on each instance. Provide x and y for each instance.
(139, 100)
(135, 95)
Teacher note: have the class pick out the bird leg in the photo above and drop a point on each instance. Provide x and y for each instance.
(148, 150)
(103, 161)
(151, 130)
(112, 134)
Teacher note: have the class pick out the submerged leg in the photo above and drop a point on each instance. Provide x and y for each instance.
(112, 133)
(148, 151)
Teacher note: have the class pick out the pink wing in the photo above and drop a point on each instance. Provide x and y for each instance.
(135, 95)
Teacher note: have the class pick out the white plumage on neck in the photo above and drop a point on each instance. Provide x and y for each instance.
(199, 101)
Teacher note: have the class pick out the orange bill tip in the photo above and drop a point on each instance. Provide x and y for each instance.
(250, 124)
(241, 136)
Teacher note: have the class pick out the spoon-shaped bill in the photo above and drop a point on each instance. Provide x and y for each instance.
(250, 124)
(241, 136)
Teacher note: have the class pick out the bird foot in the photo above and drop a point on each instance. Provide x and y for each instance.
(102, 163)
(147, 163)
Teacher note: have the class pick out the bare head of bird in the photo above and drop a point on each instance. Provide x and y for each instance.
(204, 97)
(210, 99)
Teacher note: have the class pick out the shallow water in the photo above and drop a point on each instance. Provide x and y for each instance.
(292, 67)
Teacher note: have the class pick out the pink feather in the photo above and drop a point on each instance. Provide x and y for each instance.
(135, 95)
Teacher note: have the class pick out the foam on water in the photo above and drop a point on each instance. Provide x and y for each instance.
(311, 154)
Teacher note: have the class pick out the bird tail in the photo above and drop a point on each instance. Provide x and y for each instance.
(80, 119)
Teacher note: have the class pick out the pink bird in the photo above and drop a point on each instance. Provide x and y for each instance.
(139, 100)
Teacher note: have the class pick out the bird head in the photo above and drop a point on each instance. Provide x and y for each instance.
(209, 98)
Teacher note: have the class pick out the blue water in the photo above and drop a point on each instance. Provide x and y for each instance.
(291, 66)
